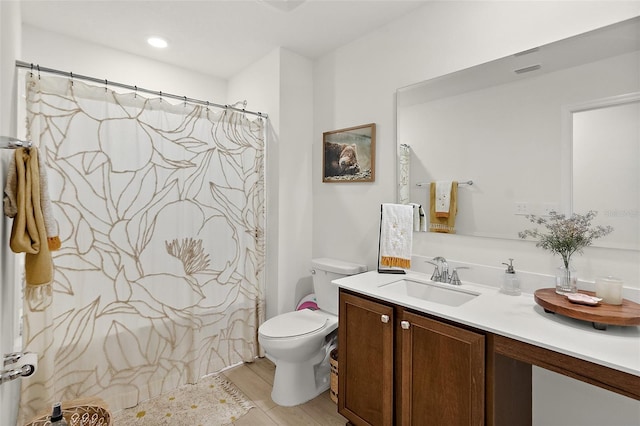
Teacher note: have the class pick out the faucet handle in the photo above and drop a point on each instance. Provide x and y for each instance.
(455, 279)
(436, 272)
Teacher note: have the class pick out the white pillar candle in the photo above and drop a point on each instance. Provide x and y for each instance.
(609, 289)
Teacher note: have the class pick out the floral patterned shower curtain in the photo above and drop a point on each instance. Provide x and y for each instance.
(161, 211)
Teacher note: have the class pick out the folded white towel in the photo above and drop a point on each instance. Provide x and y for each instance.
(443, 197)
(396, 235)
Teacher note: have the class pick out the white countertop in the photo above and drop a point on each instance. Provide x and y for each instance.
(516, 317)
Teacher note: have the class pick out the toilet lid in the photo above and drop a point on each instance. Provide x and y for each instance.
(293, 324)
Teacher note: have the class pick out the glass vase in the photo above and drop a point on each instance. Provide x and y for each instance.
(566, 280)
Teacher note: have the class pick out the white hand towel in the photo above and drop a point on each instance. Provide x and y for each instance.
(396, 232)
(416, 216)
(423, 220)
(443, 198)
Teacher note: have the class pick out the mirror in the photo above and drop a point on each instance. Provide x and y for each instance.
(605, 142)
(516, 128)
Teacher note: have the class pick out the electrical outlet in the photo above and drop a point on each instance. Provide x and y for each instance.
(521, 208)
(549, 209)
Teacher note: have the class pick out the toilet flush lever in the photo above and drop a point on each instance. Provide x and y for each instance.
(384, 318)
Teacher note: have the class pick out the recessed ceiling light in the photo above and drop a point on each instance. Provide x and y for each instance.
(158, 42)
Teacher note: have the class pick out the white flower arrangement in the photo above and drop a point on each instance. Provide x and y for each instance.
(565, 236)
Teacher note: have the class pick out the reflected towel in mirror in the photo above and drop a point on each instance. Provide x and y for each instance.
(444, 224)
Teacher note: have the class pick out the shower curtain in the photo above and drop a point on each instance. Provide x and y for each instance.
(160, 277)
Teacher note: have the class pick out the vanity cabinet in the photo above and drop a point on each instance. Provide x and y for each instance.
(365, 361)
(399, 367)
(442, 370)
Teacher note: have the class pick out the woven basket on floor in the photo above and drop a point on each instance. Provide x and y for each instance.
(79, 412)
(334, 375)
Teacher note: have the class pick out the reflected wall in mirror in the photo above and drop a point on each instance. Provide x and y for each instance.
(605, 143)
(504, 124)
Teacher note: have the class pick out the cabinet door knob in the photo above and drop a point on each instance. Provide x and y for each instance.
(384, 318)
(405, 325)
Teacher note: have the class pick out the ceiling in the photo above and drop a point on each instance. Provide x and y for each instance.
(216, 37)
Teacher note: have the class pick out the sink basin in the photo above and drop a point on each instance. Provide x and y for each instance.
(431, 292)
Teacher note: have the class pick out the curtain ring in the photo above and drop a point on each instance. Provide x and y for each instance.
(135, 92)
(31, 73)
(161, 96)
(185, 101)
(106, 83)
(38, 67)
(71, 77)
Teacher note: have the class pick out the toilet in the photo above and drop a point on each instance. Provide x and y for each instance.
(299, 342)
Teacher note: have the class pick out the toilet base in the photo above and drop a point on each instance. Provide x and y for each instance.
(297, 383)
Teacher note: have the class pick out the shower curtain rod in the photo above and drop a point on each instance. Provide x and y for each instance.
(38, 69)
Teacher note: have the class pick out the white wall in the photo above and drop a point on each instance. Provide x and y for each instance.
(69, 54)
(281, 84)
(9, 309)
(295, 214)
(355, 84)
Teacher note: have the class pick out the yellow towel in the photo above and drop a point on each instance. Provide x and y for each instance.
(50, 223)
(28, 234)
(11, 203)
(396, 235)
(447, 224)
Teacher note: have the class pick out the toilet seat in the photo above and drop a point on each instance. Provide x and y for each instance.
(293, 324)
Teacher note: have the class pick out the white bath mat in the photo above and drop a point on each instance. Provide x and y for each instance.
(213, 401)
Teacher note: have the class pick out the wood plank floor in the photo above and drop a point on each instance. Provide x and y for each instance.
(255, 381)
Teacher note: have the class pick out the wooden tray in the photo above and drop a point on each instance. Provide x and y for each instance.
(600, 315)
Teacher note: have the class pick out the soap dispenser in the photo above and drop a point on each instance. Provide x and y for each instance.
(56, 415)
(511, 281)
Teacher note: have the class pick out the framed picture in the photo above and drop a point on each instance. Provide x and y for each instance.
(349, 155)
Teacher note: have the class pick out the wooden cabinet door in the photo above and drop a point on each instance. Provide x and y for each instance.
(442, 373)
(365, 361)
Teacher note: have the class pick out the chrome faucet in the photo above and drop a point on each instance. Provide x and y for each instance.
(444, 269)
(441, 272)
(455, 279)
(436, 272)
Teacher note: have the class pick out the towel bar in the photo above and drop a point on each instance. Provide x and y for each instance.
(8, 142)
(467, 182)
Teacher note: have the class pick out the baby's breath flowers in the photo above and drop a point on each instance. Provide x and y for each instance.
(566, 236)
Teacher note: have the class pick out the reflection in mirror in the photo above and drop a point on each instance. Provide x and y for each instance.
(502, 124)
(605, 173)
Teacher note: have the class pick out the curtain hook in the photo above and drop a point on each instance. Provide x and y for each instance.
(106, 83)
(185, 101)
(161, 96)
(38, 66)
(71, 77)
(31, 73)
(135, 92)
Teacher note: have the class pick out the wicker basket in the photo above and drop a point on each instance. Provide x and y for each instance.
(79, 412)
(334, 375)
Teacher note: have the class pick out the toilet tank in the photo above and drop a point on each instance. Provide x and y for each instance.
(324, 271)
